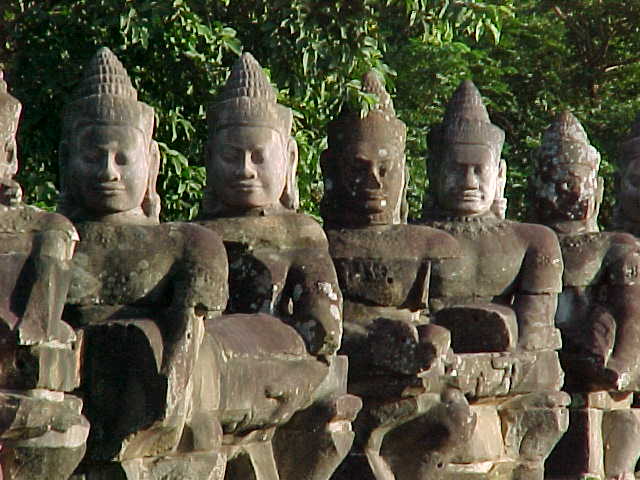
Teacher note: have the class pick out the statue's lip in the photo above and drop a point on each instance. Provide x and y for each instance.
(244, 185)
(372, 195)
(471, 195)
(108, 187)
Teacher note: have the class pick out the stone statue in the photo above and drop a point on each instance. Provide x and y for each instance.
(498, 299)
(598, 311)
(42, 432)
(627, 213)
(279, 266)
(383, 267)
(140, 290)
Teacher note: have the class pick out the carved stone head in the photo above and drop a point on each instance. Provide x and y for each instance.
(628, 207)
(364, 166)
(108, 159)
(10, 109)
(566, 186)
(465, 169)
(251, 158)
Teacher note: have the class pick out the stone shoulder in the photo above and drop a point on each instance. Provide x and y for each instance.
(542, 265)
(287, 231)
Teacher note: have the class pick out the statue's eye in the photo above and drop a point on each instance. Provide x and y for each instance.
(257, 156)
(122, 159)
(228, 156)
(92, 157)
(382, 171)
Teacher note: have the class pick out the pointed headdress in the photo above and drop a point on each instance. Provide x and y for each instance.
(380, 121)
(106, 95)
(466, 121)
(566, 142)
(248, 99)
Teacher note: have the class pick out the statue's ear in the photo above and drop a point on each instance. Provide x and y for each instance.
(154, 165)
(290, 197)
(502, 176)
(11, 156)
(599, 190)
(151, 201)
(404, 204)
(328, 167)
(66, 205)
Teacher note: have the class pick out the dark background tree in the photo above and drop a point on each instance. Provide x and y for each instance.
(529, 59)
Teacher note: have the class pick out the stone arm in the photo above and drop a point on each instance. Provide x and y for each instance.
(200, 292)
(201, 282)
(50, 272)
(623, 302)
(312, 288)
(535, 297)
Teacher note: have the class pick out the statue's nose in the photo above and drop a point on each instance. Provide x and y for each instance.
(109, 171)
(246, 167)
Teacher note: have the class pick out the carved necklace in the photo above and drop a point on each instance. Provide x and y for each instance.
(470, 226)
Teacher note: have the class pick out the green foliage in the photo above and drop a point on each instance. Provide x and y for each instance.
(528, 58)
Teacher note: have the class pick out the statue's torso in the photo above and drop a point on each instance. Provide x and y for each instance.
(594, 264)
(262, 250)
(120, 268)
(385, 271)
(499, 258)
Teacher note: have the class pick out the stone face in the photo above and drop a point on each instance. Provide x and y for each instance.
(42, 430)
(498, 297)
(384, 268)
(626, 216)
(290, 399)
(598, 310)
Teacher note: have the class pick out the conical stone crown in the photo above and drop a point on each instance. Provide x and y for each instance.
(248, 99)
(371, 84)
(105, 75)
(566, 142)
(106, 96)
(380, 122)
(247, 79)
(466, 105)
(466, 121)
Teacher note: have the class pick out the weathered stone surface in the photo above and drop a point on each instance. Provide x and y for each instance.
(498, 298)
(410, 423)
(42, 432)
(140, 292)
(52, 365)
(279, 266)
(598, 310)
(486, 442)
(194, 466)
(480, 328)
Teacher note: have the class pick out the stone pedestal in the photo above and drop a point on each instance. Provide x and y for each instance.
(603, 440)
(43, 434)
